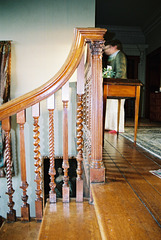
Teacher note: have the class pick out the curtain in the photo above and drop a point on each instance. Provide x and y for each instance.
(5, 76)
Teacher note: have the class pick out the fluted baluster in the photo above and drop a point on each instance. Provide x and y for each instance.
(65, 165)
(25, 209)
(97, 171)
(37, 157)
(52, 172)
(6, 126)
(80, 92)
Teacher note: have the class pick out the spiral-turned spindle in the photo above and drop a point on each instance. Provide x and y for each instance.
(52, 172)
(37, 158)
(37, 163)
(11, 215)
(79, 187)
(79, 136)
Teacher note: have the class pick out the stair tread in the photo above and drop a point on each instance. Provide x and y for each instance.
(69, 221)
(120, 213)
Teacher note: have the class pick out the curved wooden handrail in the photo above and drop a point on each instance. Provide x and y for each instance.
(81, 36)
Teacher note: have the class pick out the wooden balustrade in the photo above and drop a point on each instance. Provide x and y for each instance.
(6, 126)
(52, 172)
(80, 92)
(25, 212)
(38, 180)
(94, 111)
(89, 123)
(65, 165)
(79, 182)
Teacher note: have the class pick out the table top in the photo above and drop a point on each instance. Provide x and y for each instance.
(121, 81)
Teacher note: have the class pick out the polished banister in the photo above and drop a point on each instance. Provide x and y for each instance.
(81, 36)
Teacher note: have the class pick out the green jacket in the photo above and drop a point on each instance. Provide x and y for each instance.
(119, 65)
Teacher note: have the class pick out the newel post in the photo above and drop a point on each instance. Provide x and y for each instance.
(97, 170)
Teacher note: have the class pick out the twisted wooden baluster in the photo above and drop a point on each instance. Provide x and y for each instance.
(79, 182)
(87, 105)
(6, 126)
(84, 106)
(25, 212)
(65, 164)
(52, 172)
(37, 164)
(90, 114)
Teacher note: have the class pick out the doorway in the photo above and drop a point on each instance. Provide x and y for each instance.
(153, 84)
(132, 73)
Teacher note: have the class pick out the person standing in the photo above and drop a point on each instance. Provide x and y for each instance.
(117, 60)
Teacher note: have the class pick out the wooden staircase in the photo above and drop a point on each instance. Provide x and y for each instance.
(127, 206)
(69, 221)
(85, 57)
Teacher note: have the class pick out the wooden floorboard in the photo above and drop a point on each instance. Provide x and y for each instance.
(135, 166)
(69, 221)
(128, 205)
(121, 215)
(20, 230)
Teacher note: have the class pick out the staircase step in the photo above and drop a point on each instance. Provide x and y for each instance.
(120, 213)
(69, 221)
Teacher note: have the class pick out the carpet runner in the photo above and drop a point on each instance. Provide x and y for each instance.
(148, 138)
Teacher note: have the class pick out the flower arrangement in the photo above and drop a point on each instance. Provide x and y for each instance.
(108, 73)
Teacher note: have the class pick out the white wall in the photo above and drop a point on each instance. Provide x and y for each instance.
(41, 32)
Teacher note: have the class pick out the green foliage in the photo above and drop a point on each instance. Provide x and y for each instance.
(108, 73)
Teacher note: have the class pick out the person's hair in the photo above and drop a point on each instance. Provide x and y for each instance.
(114, 42)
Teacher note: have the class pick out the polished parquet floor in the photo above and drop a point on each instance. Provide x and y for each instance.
(132, 207)
(126, 207)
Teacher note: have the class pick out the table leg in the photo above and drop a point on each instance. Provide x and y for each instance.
(118, 115)
(104, 109)
(137, 99)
